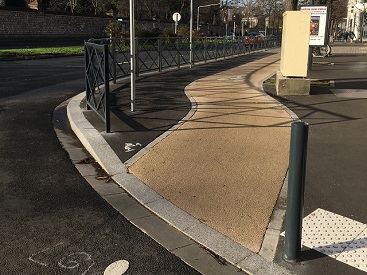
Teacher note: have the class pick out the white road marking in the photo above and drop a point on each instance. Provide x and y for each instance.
(130, 146)
(80, 261)
(117, 268)
(336, 236)
(42, 257)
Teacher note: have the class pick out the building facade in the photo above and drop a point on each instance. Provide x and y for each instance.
(356, 19)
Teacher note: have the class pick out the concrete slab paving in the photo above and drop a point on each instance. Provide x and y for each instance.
(162, 232)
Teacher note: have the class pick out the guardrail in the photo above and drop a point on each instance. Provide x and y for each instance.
(154, 54)
(97, 81)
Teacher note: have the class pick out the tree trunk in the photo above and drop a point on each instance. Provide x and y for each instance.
(290, 5)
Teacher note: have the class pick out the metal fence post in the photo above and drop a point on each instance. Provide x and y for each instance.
(160, 52)
(205, 48)
(239, 46)
(224, 48)
(137, 56)
(178, 53)
(87, 88)
(232, 46)
(193, 51)
(114, 61)
(106, 90)
(296, 185)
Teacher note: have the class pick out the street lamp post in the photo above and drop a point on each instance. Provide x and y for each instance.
(132, 56)
(191, 19)
(234, 26)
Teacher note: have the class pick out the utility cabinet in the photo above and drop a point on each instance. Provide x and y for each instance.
(295, 43)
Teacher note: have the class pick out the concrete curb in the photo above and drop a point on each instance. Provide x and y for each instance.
(272, 234)
(201, 233)
(214, 241)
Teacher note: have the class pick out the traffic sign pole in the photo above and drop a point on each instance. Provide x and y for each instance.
(176, 17)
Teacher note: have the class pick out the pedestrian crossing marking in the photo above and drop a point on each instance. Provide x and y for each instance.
(336, 236)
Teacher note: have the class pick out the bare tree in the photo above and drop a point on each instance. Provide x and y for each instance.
(98, 5)
(272, 10)
(290, 5)
(56, 5)
(338, 11)
(248, 11)
(72, 4)
(95, 4)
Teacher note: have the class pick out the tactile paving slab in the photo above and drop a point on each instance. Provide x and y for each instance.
(356, 253)
(339, 237)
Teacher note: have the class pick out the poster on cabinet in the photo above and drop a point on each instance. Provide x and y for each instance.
(318, 24)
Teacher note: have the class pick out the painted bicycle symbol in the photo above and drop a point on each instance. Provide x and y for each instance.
(131, 146)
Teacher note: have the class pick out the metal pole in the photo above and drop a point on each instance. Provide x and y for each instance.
(216, 47)
(178, 53)
(160, 63)
(197, 20)
(296, 186)
(191, 19)
(310, 48)
(310, 57)
(87, 87)
(106, 90)
(205, 48)
(234, 29)
(132, 55)
(114, 59)
(176, 24)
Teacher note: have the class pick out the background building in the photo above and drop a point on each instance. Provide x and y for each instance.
(356, 19)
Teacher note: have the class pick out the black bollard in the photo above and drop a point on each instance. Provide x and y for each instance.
(296, 186)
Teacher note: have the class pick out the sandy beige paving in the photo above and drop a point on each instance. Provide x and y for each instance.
(227, 163)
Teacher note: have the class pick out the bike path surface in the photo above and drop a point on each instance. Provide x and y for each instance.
(180, 170)
(52, 221)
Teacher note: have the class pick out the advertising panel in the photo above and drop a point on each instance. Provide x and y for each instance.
(318, 24)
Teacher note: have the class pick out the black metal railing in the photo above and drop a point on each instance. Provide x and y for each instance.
(97, 81)
(109, 59)
(159, 53)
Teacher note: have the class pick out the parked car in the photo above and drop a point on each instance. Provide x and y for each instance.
(253, 38)
(229, 36)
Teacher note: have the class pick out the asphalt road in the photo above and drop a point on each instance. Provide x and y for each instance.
(52, 221)
(336, 155)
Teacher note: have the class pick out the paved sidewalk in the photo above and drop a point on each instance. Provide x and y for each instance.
(226, 163)
(217, 174)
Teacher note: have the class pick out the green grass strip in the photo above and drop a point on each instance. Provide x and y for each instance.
(43, 51)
